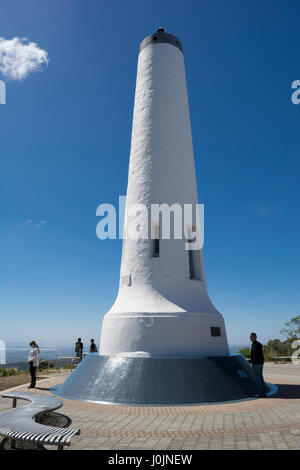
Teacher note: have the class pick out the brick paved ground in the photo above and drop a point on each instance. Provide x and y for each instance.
(271, 423)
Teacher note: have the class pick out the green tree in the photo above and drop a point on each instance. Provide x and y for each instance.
(292, 330)
(276, 347)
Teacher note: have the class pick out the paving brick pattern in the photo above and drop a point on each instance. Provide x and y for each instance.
(271, 423)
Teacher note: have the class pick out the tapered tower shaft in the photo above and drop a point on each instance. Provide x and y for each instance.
(162, 307)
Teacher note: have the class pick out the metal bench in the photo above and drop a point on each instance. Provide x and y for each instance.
(18, 423)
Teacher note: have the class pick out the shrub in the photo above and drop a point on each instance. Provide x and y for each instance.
(67, 366)
(8, 372)
(246, 352)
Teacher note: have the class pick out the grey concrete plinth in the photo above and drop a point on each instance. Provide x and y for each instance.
(159, 380)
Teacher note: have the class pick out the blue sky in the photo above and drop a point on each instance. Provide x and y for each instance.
(65, 142)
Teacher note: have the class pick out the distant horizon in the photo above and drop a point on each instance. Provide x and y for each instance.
(23, 347)
(46, 343)
(19, 355)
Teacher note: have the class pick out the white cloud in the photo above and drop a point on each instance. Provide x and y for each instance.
(37, 225)
(42, 222)
(19, 57)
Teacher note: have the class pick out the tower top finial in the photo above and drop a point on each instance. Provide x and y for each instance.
(159, 37)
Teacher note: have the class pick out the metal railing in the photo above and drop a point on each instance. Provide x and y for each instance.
(286, 358)
(72, 358)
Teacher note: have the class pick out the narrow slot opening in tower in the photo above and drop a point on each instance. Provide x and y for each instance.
(155, 240)
(193, 256)
(191, 265)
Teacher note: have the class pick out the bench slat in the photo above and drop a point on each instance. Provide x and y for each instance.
(18, 423)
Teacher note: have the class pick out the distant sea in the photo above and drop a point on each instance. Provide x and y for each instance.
(20, 354)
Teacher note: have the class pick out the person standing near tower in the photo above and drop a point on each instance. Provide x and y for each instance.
(79, 349)
(257, 361)
(93, 347)
(33, 360)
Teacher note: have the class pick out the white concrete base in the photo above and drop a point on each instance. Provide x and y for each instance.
(165, 334)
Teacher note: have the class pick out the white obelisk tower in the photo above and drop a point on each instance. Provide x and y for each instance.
(162, 342)
(162, 308)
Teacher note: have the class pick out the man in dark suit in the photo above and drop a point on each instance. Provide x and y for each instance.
(257, 361)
